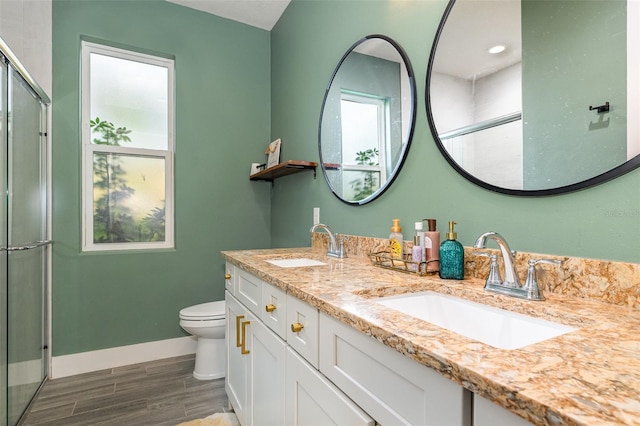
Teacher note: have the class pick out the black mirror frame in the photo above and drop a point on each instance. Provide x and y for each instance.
(618, 171)
(405, 152)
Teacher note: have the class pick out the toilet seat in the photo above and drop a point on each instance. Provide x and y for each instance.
(204, 311)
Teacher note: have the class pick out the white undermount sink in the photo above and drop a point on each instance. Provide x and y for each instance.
(295, 262)
(494, 326)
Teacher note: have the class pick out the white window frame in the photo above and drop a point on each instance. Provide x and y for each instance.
(89, 149)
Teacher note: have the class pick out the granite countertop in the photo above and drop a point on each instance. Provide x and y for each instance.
(590, 376)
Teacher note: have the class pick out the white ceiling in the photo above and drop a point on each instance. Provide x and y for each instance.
(471, 29)
(480, 17)
(258, 13)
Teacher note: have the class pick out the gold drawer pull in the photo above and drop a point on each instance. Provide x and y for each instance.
(270, 307)
(296, 327)
(227, 276)
(238, 318)
(243, 349)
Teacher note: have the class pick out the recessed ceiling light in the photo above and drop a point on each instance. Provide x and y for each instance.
(499, 48)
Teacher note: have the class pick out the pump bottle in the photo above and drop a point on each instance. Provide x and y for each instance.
(395, 240)
(432, 246)
(451, 256)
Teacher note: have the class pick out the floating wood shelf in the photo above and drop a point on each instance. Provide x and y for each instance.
(284, 169)
(332, 166)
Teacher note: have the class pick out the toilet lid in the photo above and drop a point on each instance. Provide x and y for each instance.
(204, 311)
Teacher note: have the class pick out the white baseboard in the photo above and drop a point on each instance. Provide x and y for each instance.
(85, 362)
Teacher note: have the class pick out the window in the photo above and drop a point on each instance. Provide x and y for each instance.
(127, 148)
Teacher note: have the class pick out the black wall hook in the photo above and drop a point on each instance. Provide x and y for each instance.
(601, 108)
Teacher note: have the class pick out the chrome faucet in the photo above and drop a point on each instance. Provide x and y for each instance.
(511, 284)
(335, 249)
(511, 279)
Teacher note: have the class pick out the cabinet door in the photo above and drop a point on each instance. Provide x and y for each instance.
(389, 386)
(266, 376)
(312, 400)
(486, 413)
(237, 363)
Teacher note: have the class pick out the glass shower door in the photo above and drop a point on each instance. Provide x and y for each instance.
(3, 243)
(25, 253)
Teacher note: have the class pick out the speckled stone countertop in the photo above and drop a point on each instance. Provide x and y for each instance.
(590, 376)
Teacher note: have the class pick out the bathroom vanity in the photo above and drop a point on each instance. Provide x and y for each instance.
(312, 341)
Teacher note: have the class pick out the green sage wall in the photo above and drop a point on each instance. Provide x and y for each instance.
(558, 88)
(600, 222)
(222, 70)
(237, 89)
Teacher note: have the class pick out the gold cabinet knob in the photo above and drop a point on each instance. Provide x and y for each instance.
(227, 276)
(270, 307)
(296, 327)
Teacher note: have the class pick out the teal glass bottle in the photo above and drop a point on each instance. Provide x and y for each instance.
(451, 256)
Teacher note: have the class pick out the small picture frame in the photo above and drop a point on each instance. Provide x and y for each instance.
(273, 151)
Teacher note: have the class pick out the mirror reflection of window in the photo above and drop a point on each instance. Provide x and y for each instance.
(365, 143)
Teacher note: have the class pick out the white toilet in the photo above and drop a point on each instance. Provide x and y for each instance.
(206, 322)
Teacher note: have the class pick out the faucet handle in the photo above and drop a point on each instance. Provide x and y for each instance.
(534, 292)
(341, 239)
(547, 261)
(494, 277)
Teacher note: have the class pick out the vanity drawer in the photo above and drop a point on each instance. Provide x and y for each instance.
(302, 329)
(392, 388)
(230, 278)
(273, 310)
(249, 291)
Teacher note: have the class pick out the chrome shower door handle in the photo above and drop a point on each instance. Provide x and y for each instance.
(28, 246)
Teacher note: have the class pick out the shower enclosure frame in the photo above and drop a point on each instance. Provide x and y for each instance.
(11, 66)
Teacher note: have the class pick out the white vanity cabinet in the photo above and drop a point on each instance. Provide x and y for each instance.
(288, 364)
(259, 358)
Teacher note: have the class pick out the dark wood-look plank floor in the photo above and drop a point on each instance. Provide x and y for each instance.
(161, 392)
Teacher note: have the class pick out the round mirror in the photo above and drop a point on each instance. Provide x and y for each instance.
(367, 119)
(532, 97)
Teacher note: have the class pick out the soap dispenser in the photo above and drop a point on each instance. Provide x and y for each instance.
(451, 256)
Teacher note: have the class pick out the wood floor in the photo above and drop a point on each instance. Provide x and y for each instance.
(161, 392)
